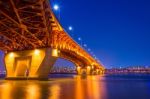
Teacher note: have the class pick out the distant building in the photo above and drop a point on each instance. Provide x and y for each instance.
(63, 69)
(131, 69)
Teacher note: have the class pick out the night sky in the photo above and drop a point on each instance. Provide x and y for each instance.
(116, 31)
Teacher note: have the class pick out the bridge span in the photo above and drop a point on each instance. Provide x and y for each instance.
(33, 39)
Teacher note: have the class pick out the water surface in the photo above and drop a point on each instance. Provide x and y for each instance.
(77, 87)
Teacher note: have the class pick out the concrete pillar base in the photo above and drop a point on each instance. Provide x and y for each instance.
(84, 71)
(30, 64)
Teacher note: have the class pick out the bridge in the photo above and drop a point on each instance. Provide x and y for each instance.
(33, 39)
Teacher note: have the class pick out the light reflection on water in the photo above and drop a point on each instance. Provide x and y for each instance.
(91, 87)
(66, 88)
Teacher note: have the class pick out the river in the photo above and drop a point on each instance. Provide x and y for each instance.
(67, 86)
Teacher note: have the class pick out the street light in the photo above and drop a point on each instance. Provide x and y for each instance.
(89, 49)
(80, 40)
(57, 8)
(93, 55)
(70, 28)
(85, 45)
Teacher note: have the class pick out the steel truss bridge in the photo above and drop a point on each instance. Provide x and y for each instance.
(29, 27)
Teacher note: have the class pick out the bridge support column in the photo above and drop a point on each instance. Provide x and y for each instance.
(97, 71)
(84, 71)
(30, 64)
(89, 70)
(79, 70)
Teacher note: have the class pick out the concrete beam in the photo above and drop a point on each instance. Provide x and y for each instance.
(30, 64)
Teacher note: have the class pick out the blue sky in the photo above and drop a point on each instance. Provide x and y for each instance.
(117, 31)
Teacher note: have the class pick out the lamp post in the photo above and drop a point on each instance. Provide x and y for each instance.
(85, 45)
(70, 28)
(80, 40)
(57, 8)
(89, 49)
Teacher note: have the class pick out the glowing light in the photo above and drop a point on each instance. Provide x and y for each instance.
(88, 67)
(6, 90)
(97, 70)
(93, 63)
(79, 88)
(36, 52)
(88, 70)
(11, 54)
(33, 91)
(55, 52)
(92, 67)
(79, 70)
(78, 67)
(56, 7)
(70, 28)
(89, 49)
(55, 92)
(85, 45)
(79, 39)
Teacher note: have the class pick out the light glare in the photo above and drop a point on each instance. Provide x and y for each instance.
(79, 39)
(85, 45)
(56, 7)
(70, 28)
(11, 54)
(55, 52)
(37, 51)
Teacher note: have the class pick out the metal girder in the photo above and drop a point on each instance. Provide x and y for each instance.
(30, 24)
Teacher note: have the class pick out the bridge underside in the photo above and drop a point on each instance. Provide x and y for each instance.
(27, 25)
(31, 64)
(36, 64)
